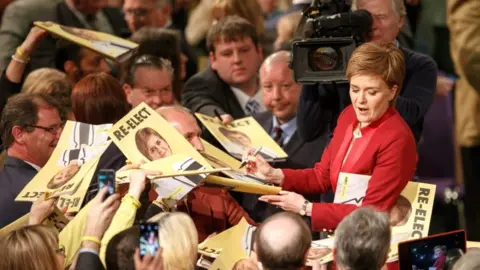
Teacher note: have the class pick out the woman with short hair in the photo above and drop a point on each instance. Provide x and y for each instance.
(371, 139)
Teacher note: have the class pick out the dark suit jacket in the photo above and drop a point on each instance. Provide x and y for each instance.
(386, 152)
(15, 176)
(212, 210)
(44, 55)
(88, 261)
(206, 91)
(301, 155)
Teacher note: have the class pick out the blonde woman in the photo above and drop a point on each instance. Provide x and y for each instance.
(178, 240)
(31, 248)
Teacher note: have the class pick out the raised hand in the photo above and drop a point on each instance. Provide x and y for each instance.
(41, 209)
(101, 213)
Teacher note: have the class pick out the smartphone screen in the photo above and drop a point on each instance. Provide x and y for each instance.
(431, 252)
(106, 178)
(149, 242)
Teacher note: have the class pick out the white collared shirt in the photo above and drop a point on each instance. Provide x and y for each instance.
(36, 167)
(244, 98)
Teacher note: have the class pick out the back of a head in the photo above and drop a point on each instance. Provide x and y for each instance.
(51, 82)
(362, 240)
(169, 112)
(179, 240)
(98, 98)
(282, 241)
(121, 249)
(469, 261)
(30, 248)
(231, 28)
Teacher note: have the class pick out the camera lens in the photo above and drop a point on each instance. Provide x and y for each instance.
(323, 58)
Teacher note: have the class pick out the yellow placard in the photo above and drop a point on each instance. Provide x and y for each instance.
(70, 168)
(144, 136)
(108, 45)
(410, 218)
(241, 135)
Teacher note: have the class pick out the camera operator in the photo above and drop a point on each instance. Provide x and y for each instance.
(321, 103)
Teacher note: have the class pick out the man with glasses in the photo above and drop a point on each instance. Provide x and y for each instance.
(30, 127)
(158, 14)
(149, 79)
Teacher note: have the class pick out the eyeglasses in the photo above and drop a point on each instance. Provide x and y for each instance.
(61, 250)
(52, 129)
(139, 12)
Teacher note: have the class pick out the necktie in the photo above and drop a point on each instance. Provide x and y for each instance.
(252, 106)
(278, 135)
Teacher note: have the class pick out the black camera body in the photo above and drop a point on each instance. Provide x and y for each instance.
(327, 35)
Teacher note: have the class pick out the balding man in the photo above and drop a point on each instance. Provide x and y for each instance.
(282, 242)
(280, 97)
(211, 208)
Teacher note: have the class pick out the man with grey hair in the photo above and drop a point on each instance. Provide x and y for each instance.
(149, 79)
(404, 37)
(282, 242)
(362, 240)
(322, 103)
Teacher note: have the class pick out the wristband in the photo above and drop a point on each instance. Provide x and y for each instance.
(130, 198)
(93, 239)
(16, 59)
(22, 54)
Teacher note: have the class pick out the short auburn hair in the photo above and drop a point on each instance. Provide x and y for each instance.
(99, 98)
(231, 28)
(384, 60)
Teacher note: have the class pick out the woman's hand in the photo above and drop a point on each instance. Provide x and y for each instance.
(101, 213)
(34, 37)
(259, 167)
(288, 201)
(148, 262)
(138, 180)
(41, 209)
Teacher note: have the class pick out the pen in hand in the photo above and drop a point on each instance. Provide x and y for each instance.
(245, 161)
(217, 114)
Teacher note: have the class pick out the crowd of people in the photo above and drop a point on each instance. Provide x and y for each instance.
(227, 59)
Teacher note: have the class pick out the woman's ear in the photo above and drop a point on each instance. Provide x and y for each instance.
(393, 93)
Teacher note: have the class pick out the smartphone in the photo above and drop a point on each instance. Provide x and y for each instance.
(431, 252)
(149, 240)
(106, 178)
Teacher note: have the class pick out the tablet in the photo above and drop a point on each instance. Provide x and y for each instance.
(432, 252)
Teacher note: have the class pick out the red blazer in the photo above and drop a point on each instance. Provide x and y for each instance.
(386, 151)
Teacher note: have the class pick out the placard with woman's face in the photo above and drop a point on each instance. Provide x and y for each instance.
(144, 136)
(241, 135)
(73, 161)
